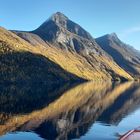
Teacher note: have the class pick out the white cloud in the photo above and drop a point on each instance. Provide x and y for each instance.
(130, 31)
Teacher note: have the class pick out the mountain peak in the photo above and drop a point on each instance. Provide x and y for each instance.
(59, 14)
(59, 18)
(58, 24)
(114, 35)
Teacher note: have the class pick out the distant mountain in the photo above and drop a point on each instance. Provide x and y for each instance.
(69, 37)
(125, 56)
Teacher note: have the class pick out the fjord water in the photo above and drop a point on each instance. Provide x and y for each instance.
(88, 111)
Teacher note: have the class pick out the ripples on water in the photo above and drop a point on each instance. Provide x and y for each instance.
(87, 111)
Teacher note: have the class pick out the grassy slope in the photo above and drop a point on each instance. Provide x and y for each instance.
(21, 64)
(71, 63)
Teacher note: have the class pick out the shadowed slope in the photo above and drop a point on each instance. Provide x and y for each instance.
(125, 56)
(28, 68)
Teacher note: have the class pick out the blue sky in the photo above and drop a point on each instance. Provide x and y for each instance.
(99, 17)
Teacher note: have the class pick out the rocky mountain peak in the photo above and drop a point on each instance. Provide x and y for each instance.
(60, 26)
(110, 37)
(113, 35)
(125, 55)
(58, 15)
(59, 18)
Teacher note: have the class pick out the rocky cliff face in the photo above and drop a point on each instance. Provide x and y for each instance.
(126, 56)
(66, 34)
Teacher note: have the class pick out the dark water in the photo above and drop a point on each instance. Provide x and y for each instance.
(87, 111)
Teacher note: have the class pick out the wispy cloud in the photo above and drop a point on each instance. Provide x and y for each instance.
(130, 31)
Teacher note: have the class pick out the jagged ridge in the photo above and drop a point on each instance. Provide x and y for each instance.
(126, 56)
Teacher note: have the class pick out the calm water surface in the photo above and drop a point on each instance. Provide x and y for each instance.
(87, 111)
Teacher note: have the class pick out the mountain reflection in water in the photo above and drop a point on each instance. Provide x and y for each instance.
(66, 113)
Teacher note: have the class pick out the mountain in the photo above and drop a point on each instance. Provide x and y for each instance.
(124, 55)
(61, 31)
(67, 37)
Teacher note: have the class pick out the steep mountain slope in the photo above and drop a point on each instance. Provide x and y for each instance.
(66, 34)
(126, 56)
(71, 63)
(72, 39)
(21, 63)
